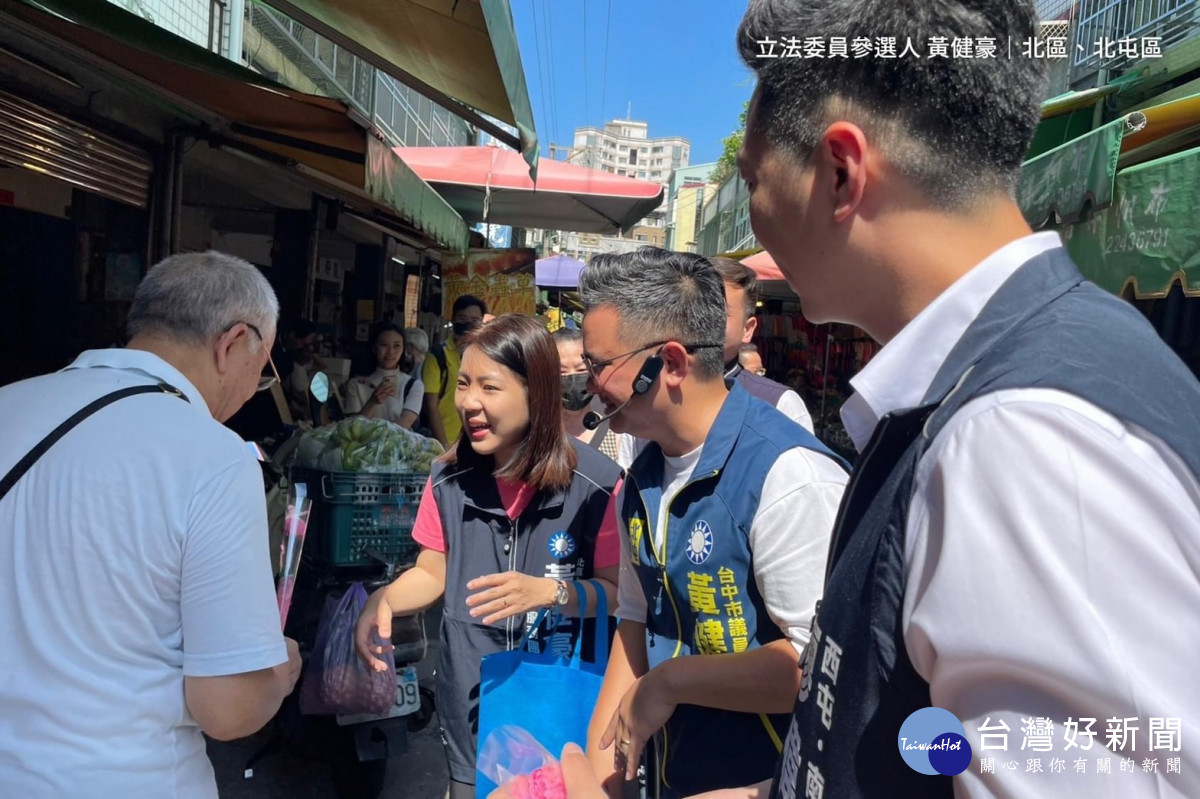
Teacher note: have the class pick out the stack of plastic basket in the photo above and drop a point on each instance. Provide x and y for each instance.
(364, 518)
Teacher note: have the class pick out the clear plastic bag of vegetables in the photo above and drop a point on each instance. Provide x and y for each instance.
(367, 445)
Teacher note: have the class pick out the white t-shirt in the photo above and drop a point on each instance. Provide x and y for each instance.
(359, 390)
(792, 406)
(133, 553)
(789, 537)
(789, 404)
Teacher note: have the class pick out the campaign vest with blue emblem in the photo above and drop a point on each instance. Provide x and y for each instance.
(1045, 328)
(706, 600)
(555, 536)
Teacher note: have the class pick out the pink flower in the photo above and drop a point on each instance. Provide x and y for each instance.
(547, 783)
(516, 788)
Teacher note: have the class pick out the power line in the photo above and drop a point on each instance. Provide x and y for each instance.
(585, 68)
(604, 83)
(538, 47)
(549, 32)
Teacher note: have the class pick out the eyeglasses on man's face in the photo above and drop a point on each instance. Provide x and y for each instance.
(596, 368)
(266, 381)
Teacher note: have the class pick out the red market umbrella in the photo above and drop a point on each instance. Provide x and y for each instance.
(764, 266)
(491, 184)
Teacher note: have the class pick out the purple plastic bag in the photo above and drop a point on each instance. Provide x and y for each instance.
(336, 681)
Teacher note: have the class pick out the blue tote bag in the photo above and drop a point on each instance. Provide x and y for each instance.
(547, 695)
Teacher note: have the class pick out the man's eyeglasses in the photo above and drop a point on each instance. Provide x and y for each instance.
(266, 381)
(595, 368)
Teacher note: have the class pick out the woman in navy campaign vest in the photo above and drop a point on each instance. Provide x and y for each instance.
(513, 512)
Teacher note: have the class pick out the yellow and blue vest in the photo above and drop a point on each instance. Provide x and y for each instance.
(701, 594)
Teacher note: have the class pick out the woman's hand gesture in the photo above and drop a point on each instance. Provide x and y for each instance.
(501, 596)
(376, 619)
(384, 391)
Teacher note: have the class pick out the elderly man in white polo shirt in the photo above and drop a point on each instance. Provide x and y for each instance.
(136, 605)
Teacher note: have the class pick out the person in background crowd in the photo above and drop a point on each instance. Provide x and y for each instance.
(136, 603)
(416, 347)
(1028, 496)
(438, 373)
(298, 364)
(728, 513)
(577, 400)
(741, 300)
(750, 361)
(388, 392)
(541, 309)
(514, 482)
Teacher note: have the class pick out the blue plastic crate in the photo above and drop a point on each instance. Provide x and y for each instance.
(362, 517)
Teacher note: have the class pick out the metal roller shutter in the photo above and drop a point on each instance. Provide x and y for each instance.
(44, 141)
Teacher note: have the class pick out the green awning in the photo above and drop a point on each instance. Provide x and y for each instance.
(1060, 185)
(456, 52)
(1150, 236)
(312, 132)
(392, 182)
(1072, 114)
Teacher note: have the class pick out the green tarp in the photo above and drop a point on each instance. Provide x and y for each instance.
(1060, 185)
(1150, 235)
(391, 182)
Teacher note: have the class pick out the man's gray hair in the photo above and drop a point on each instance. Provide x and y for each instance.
(418, 338)
(661, 295)
(194, 297)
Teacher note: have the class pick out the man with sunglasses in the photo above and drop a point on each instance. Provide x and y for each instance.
(136, 604)
(727, 514)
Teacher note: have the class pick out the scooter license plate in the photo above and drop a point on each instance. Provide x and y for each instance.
(408, 700)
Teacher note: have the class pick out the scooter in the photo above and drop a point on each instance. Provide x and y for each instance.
(357, 747)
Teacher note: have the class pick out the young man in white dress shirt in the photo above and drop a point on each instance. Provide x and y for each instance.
(1027, 503)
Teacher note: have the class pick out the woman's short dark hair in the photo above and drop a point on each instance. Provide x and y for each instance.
(384, 327)
(567, 335)
(545, 458)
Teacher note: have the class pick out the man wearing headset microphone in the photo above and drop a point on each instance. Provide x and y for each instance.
(727, 515)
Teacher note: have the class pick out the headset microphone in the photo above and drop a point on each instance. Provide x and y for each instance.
(641, 384)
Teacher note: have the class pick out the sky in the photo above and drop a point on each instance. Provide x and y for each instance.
(674, 60)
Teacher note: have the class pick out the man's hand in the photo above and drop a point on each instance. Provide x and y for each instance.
(501, 596)
(642, 712)
(293, 664)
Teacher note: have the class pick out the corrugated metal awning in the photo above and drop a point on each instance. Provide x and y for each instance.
(316, 133)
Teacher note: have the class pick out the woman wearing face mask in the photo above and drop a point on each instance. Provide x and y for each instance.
(511, 515)
(576, 401)
(387, 393)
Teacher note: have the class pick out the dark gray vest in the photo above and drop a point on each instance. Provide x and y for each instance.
(764, 388)
(1045, 328)
(555, 536)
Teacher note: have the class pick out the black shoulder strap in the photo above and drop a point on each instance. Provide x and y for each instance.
(408, 387)
(439, 355)
(23, 465)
